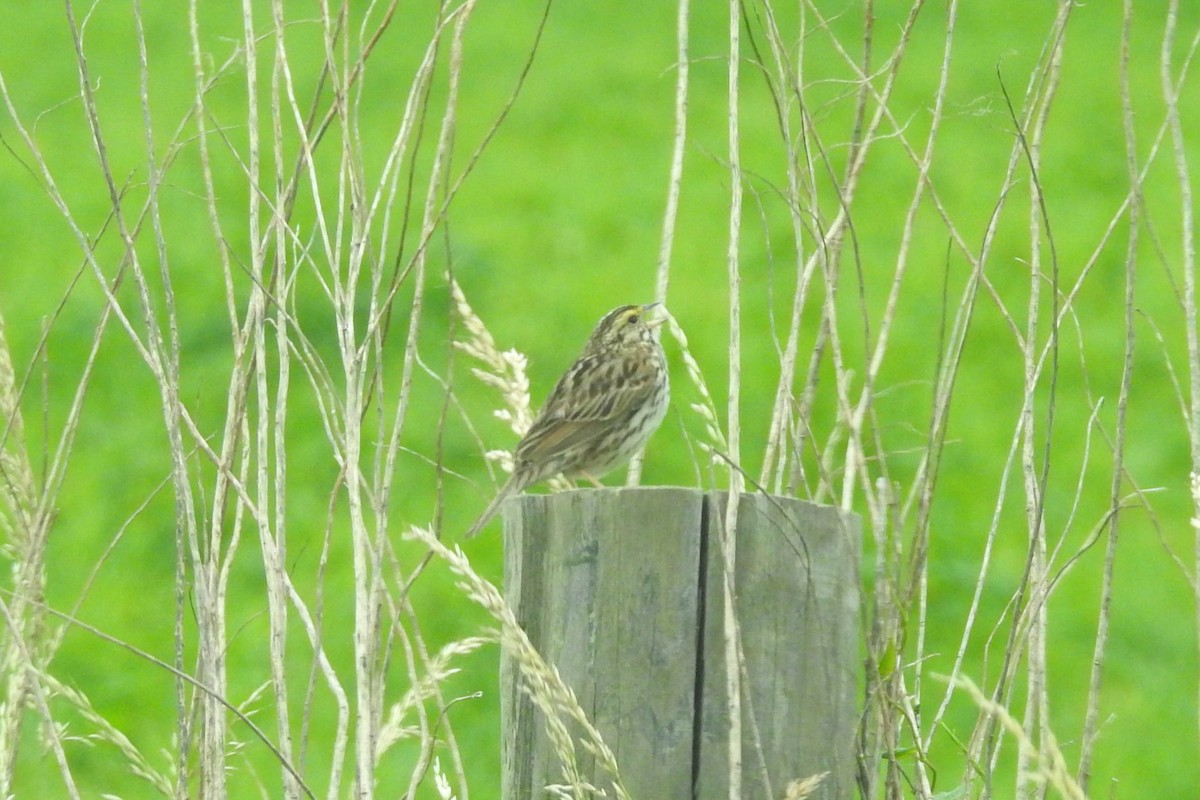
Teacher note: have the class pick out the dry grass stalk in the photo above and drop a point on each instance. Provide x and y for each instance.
(541, 680)
(503, 371)
(804, 787)
(23, 642)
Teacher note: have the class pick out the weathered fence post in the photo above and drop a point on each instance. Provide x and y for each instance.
(620, 589)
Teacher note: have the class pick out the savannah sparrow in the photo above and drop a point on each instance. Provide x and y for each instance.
(601, 411)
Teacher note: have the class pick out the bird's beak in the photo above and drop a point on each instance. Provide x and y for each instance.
(654, 323)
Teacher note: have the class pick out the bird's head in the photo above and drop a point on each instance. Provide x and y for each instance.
(625, 326)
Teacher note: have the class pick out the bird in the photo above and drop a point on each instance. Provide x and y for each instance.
(603, 409)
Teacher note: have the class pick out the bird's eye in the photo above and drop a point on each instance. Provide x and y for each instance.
(633, 318)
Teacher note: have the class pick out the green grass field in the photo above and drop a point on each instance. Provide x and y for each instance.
(559, 220)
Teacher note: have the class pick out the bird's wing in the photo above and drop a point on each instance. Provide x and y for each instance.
(594, 391)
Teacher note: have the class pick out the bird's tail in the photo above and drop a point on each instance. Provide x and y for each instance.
(505, 492)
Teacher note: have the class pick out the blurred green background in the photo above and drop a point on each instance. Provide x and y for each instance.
(559, 221)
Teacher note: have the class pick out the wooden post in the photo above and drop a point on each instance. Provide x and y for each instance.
(620, 590)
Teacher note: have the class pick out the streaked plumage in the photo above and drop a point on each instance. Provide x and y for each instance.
(601, 411)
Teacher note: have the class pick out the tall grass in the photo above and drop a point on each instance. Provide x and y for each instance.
(875, 260)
